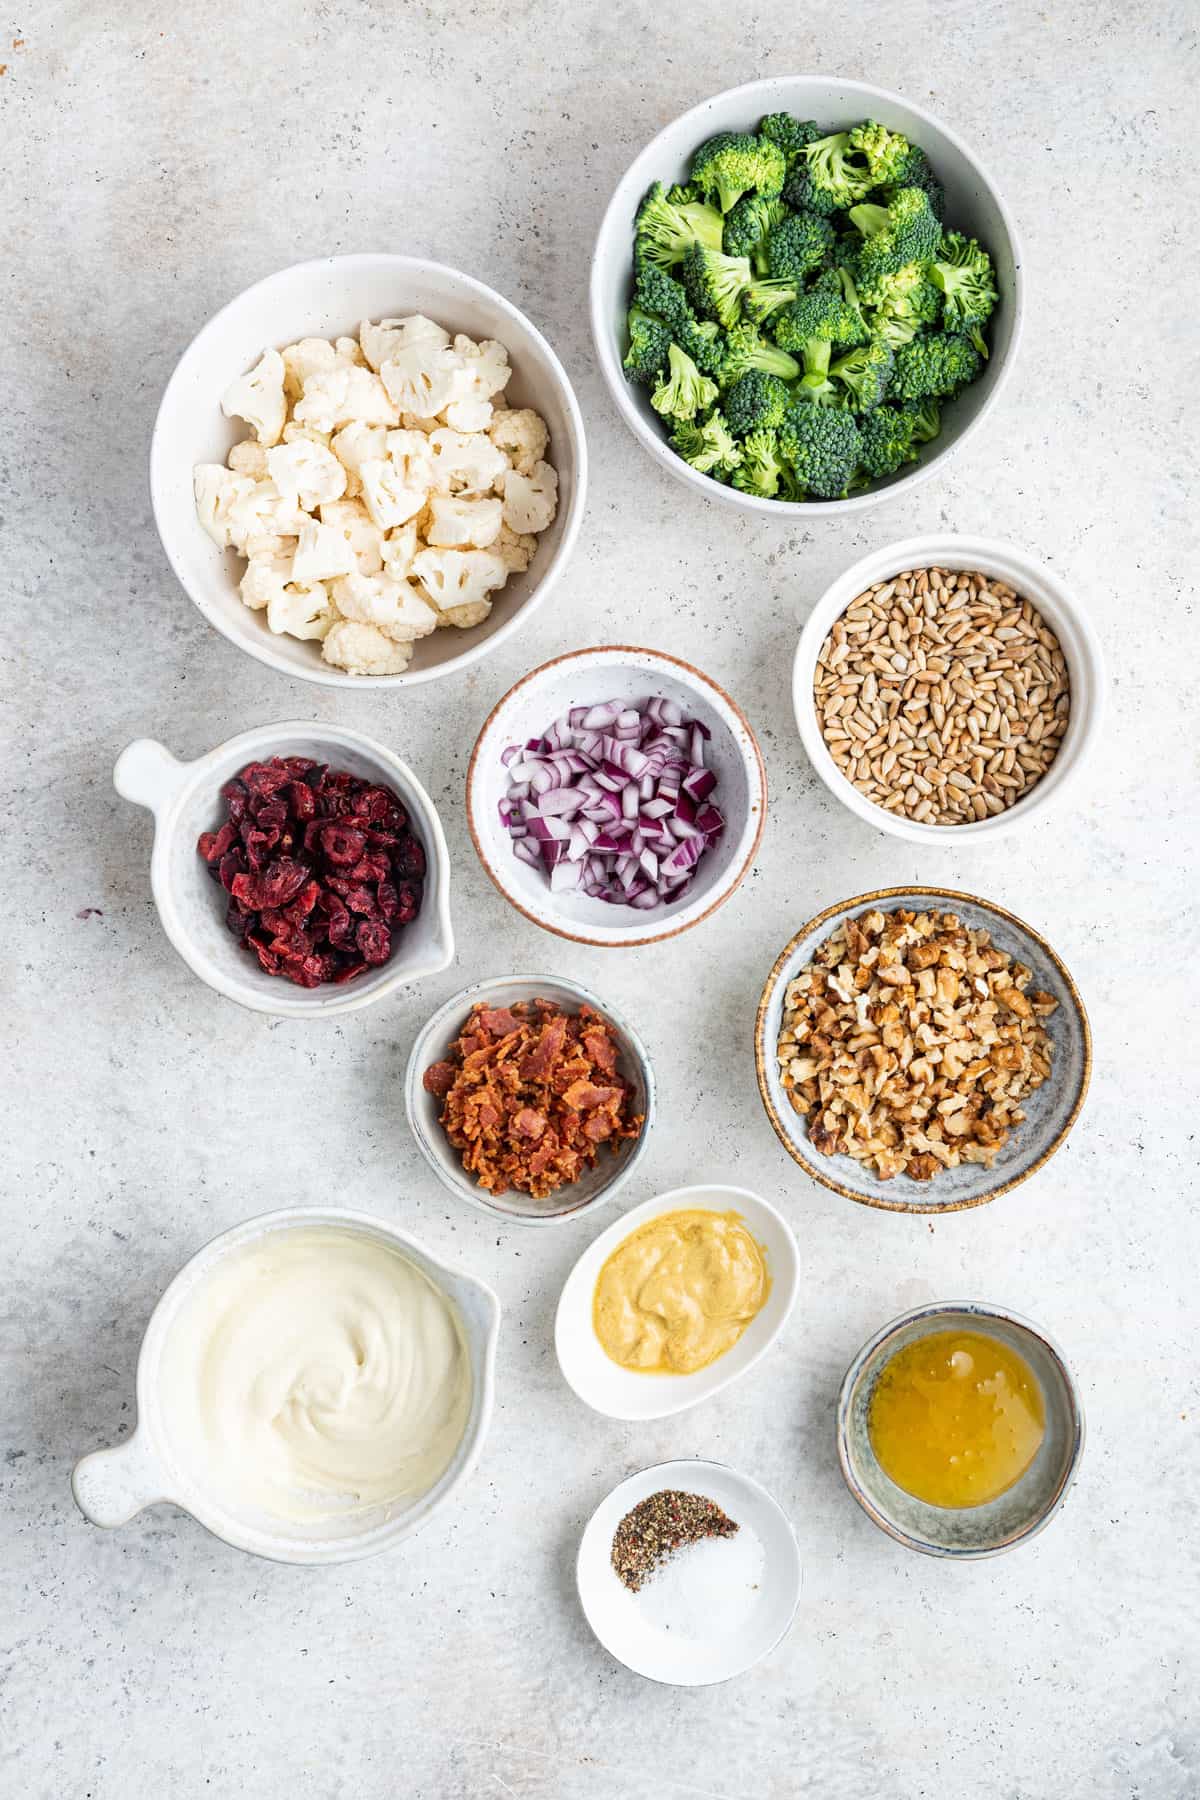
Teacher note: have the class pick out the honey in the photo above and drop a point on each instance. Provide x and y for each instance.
(956, 1418)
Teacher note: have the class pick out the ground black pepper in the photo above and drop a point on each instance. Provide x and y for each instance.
(660, 1525)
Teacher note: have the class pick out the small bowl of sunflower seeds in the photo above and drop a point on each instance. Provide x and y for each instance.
(921, 1051)
(948, 685)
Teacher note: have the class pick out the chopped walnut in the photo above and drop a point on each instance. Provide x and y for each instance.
(909, 1041)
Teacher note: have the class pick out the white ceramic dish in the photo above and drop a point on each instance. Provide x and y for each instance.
(111, 1486)
(624, 1394)
(973, 205)
(612, 1170)
(965, 1533)
(1035, 582)
(327, 298)
(585, 677)
(631, 1627)
(185, 800)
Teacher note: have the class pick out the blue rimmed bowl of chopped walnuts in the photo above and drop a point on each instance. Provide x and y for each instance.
(805, 293)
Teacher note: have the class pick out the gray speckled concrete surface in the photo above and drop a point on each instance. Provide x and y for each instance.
(157, 159)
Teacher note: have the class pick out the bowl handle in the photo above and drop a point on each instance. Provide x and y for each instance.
(110, 1486)
(147, 773)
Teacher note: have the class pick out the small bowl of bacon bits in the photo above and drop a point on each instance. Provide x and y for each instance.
(299, 869)
(529, 1098)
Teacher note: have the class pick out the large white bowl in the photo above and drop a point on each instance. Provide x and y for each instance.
(630, 1394)
(596, 1185)
(328, 298)
(149, 1469)
(582, 678)
(973, 204)
(185, 799)
(1035, 582)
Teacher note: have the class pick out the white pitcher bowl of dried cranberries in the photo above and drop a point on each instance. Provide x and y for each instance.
(403, 908)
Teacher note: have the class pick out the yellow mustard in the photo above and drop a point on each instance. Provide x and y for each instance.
(956, 1418)
(679, 1292)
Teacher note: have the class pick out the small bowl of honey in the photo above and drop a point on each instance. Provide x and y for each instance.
(960, 1429)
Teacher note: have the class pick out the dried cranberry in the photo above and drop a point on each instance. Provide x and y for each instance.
(231, 865)
(361, 900)
(387, 900)
(374, 940)
(348, 972)
(342, 845)
(301, 799)
(304, 902)
(371, 868)
(265, 778)
(278, 883)
(238, 921)
(298, 765)
(214, 844)
(409, 858)
(408, 904)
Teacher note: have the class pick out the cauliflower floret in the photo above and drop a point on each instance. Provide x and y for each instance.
(521, 435)
(355, 444)
(322, 553)
(394, 489)
(456, 522)
(515, 549)
(393, 607)
(381, 341)
(218, 490)
(488, 363)
(464, 463)
(364, 650)
(414, 422)
(350, 350)
(342, 393)
(301, 612)
(249, 458)
(530, 501)
(306, 473)
(259, 398)
(423, 377)
(304, 359)
(458, 578)
(263, 512)
(265, 578)
(474, 612)
(472, 413)
(399, 548)
(269, 543)
(360, 531)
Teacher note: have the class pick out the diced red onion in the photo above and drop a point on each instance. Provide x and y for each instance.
(614, 801)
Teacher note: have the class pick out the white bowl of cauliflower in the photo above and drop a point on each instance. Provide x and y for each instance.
(368, 466)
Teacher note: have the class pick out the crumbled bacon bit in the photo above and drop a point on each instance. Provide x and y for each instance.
(521, 1098)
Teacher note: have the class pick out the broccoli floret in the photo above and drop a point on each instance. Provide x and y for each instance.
(710, 448)
(798, 245)
(918, 173)
(683, 391)
(801, 195)
(747, 225)
(683, 194)
(963, 272)
(756, 402)
(745, 348)
(933, 366)
(838, 173)
(888, 153)
(821, 444)
(904, 231)
(864, 373)
(811, 326)
(926, 418)
(887, 441)
(649, 345)
(761, 469)
(792, 135)
(762, 298)
(715, 283)
(734, 163)
(661, 295)
(665, 229)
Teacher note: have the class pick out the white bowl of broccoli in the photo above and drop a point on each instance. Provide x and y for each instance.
(805, 292)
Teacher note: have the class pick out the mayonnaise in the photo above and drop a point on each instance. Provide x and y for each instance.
(316, 1372)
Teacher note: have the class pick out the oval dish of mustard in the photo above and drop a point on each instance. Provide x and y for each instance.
(679, 1292)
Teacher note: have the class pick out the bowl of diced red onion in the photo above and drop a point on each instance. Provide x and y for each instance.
(616, 796)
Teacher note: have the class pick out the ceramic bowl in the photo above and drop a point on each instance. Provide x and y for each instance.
(1050, 1111)
(148, 1469)
(973, 205)
(640, 1632)
(596, 1185)
(624, 1393)
(585, 677)
(966, 1532)
(1035, 582)
(185, 800)
(327, 298)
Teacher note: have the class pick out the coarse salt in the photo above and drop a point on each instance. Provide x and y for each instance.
(706, 1589)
